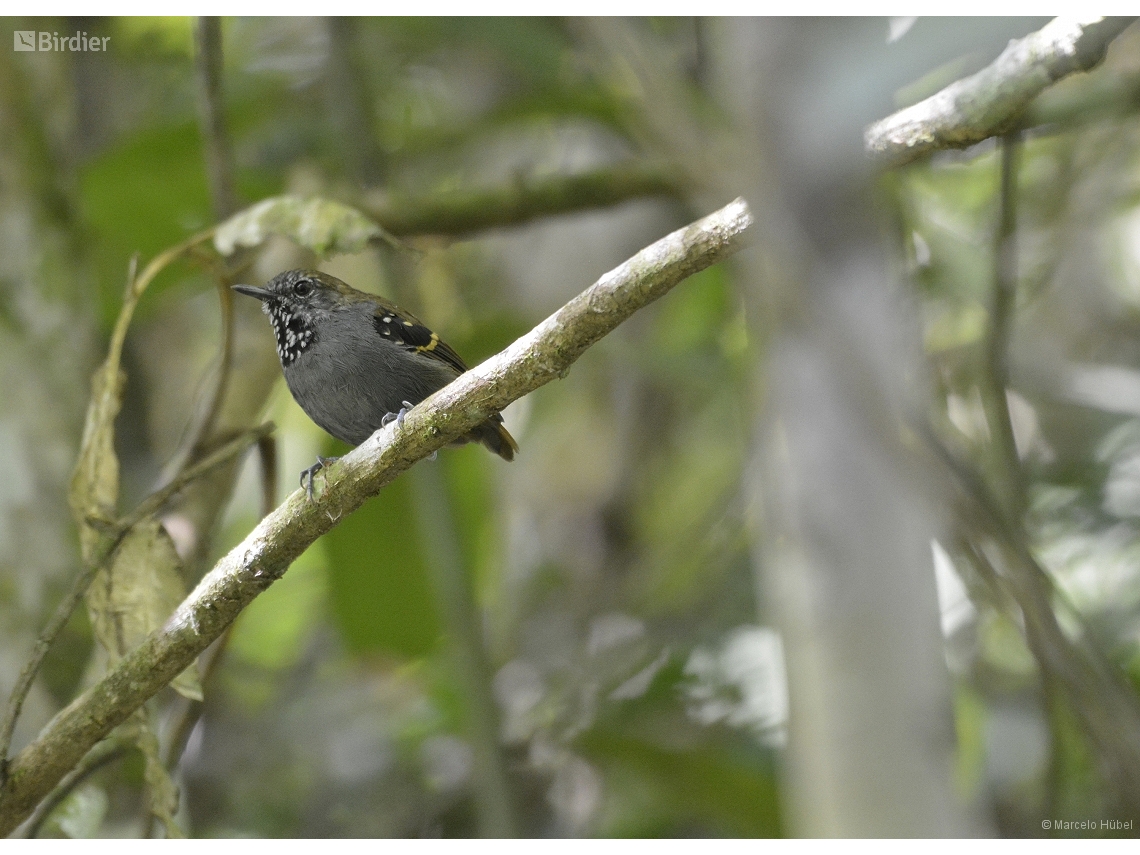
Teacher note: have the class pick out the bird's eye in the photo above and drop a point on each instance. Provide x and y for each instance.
(303, 288)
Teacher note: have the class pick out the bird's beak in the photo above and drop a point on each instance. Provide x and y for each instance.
(260, 293)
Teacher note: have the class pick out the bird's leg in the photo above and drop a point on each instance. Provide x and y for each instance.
(403, 412)
(398, 418)
(321, 463)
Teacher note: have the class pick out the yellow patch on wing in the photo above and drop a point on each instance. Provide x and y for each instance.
(424, 348)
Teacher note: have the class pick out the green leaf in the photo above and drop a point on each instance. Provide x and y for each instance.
(381, 596)
(161, 790)
(94, 486)
(82, 812)
(712, 786)
(321, 225)
(970, 726)
(692, 317)
(273, 630)
(143, 195)
(470, 477)
(137, 594)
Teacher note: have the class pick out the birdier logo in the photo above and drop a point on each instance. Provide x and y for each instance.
(32, 40)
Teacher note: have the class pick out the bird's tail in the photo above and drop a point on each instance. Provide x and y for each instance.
(493, 434)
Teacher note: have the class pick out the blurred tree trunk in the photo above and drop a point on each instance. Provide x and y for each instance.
(844, 542)
(46, 348)
(847, 561)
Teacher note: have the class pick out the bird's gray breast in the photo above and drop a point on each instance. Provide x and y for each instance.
(350, 377)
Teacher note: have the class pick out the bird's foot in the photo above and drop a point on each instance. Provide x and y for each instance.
(397, 417)
(307, 475)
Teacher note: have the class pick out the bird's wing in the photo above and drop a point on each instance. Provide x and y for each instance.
(406, 329)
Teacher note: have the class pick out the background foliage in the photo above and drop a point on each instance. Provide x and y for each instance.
(706, 586)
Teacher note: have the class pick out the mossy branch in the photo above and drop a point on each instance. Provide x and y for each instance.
(462, 212)
(542, 355)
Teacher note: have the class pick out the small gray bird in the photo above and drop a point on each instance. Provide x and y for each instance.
(354, 361)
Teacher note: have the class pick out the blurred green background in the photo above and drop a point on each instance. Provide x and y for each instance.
(725, 589)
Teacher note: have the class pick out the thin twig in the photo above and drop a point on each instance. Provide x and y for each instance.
(43, 643)
(1078, 669)
(113, 537)
(192, 473)
(208, 63)
(136, 286)
(1053, 689)
(186, 712)
(995, 376)
(544, 354)
(105, 752)
(267, 457)
(206, 415)
(1095, 689)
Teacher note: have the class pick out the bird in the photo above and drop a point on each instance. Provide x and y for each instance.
(354, 361)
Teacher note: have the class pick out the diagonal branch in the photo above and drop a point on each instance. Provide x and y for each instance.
(542, 355)
(992, 101)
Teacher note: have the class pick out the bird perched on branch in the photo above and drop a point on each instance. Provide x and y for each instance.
(355, 361)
